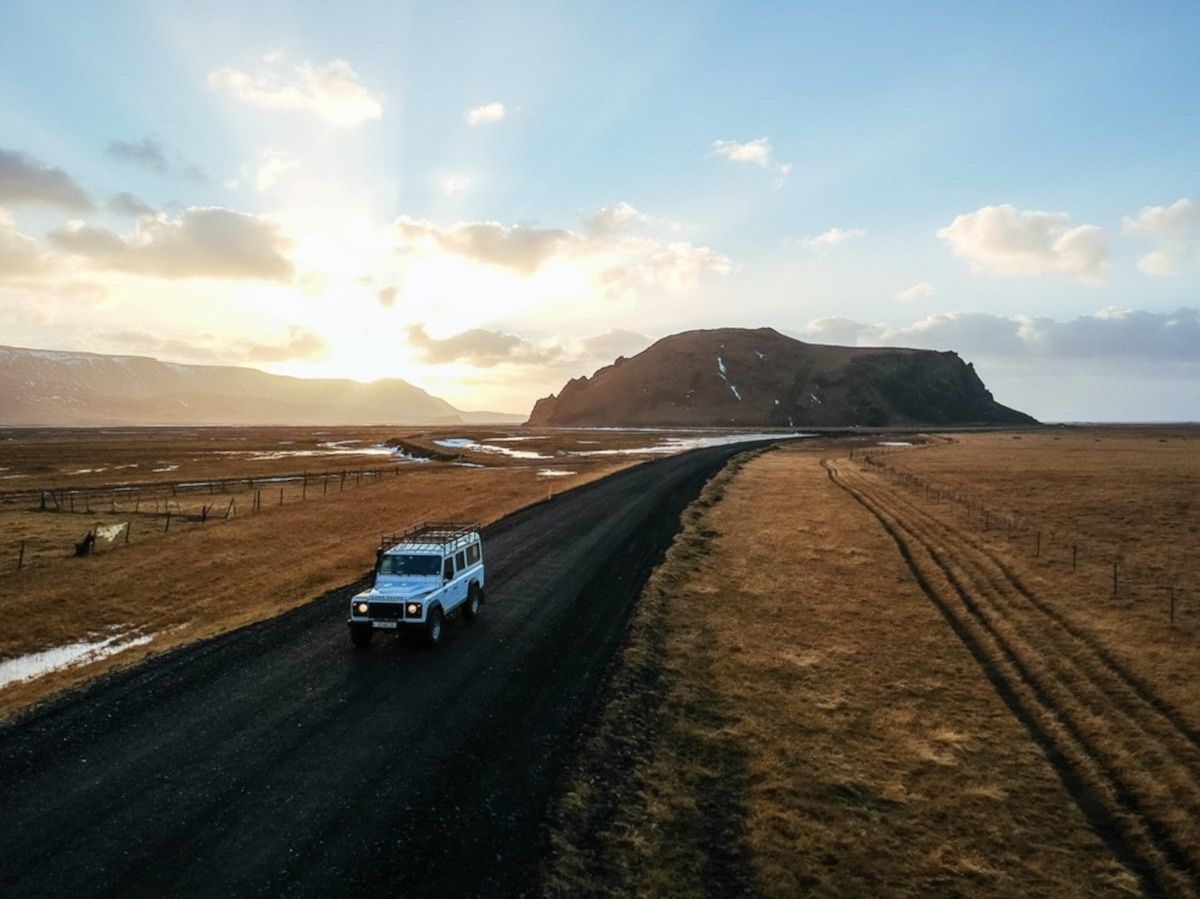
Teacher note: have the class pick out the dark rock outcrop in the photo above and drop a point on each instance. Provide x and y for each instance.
(739, 377)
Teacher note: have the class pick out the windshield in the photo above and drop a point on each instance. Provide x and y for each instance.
(415, 566)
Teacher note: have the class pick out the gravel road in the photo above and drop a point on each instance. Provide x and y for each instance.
(278, 761)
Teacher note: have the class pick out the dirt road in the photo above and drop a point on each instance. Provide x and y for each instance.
(277, 761)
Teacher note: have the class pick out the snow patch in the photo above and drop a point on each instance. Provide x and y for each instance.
(555, 472)
(35, 664)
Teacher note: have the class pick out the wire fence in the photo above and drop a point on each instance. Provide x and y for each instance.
(1111, 570)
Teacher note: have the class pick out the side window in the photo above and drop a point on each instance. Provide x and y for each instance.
(473, 554)
(460, 561)
(448, 570)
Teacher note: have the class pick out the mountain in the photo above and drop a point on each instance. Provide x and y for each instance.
(53, 388)
(740, 377)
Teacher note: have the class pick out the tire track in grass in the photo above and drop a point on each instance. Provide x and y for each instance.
(1115, 784)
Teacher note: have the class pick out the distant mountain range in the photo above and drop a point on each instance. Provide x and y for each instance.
(740, 377)
(53, 388)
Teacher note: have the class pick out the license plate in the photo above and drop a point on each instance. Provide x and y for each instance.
(386, 625)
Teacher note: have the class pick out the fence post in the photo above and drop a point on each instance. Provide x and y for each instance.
(1114, 593)
(1074, 557)
(281, 496)
(167, 530)
(21, 561)
(304, 489)
(128, 528)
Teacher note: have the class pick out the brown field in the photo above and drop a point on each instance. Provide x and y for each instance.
(843, 681)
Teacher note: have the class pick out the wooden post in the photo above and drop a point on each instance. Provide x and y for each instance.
(304, 489)
(21, 561)
(203, 514)
(1114, 593)
(128, 528)
(1074, 557)
(281, 496)
(324, 484)
(167, 530)
(229, 508)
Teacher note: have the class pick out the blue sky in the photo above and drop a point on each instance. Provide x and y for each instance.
(488, 199)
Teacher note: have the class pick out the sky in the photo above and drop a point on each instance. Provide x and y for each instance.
(488, 199)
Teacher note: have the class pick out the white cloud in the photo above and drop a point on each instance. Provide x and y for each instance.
(1001, 240)
(27, 181)
(487, 113)
(452, 185)
(756, 152)
(271, 167)
(827, 240)
(922, 291)
(203, 242)
(1110, 334)
(332, 92)
(1177, 229)
(485, 348)
(610, 252)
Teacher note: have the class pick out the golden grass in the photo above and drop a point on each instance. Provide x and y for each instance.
(203, 580)
(1131, 494)
(793, 716)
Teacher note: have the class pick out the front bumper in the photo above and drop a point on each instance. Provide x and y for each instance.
(387, 614)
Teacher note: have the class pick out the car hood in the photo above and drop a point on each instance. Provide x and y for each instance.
(397, 590)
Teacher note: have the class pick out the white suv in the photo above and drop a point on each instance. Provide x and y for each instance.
(422, 575)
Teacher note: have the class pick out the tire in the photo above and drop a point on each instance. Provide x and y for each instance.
(474, 601)
(435, 626)
(360, 635)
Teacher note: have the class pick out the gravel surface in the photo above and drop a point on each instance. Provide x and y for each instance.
(276, 760)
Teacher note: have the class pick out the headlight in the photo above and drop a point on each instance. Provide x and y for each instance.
(361, 608)
(413, 609)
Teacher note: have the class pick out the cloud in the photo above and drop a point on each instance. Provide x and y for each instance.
(272, 166)
(1001, 240)
(27, 181)
(486, 114)
(19, 254)
(922, 291)
(150, 154)
(331, 92)
(478, 347)
(298, 343)
(827, 240)
(753, 152)
(203, 242)
(128, 204)
(386, 297)
(613, 219)
(619, 261)
(1110, 334)
(520, 248)
(756, 152)
(1177, 229)
(615, 342)
(452, 185)
(485, 349)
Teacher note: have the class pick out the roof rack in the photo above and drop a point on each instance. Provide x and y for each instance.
(433, 532)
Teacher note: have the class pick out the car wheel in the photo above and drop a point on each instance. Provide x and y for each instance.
(435, 625)
(360, 635)
(474, 600)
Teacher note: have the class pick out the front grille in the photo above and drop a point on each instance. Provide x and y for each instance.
(385, 610)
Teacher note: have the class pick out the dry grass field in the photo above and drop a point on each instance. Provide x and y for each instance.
(167, 587)
(839, 683)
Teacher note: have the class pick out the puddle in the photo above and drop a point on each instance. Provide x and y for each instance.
(35, 664)
(671, 445)
(475, 446)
